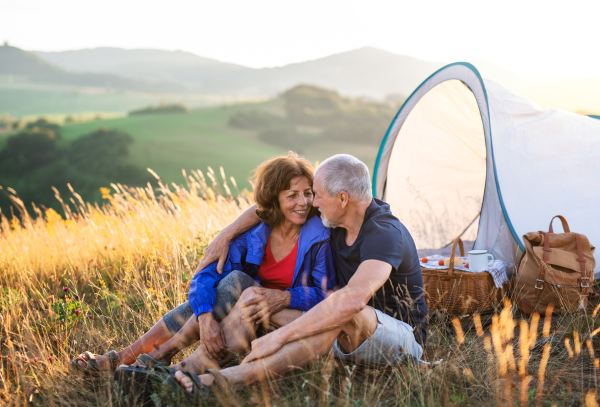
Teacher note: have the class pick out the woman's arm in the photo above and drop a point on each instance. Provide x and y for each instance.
(219, 247)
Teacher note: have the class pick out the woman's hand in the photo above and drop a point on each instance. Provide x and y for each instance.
(212, 337)
(266, 303)
(264, 346)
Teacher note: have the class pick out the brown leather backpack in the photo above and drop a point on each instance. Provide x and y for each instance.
(555, 268)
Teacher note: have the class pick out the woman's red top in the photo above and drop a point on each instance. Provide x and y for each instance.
(277, 274)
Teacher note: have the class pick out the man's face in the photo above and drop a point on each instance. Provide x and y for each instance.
(329, 206)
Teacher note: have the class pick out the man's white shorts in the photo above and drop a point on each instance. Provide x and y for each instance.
(392, 343)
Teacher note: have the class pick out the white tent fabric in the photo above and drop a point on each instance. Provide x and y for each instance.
(466, 157)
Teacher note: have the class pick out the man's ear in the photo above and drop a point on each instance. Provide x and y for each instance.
(344, 199)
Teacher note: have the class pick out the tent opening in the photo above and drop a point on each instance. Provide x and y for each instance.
(437, 168)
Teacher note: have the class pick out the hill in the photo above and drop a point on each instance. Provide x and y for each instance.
(146, 64)
(368, 71)
(15, 61)
(309, 120)
(365, 71)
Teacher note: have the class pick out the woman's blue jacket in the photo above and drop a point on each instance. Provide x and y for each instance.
(314, 274)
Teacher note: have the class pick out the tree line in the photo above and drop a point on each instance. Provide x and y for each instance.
(38, 158)
(312, 114)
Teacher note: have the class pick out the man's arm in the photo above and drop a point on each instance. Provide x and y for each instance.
(331, 313)
(219, 247)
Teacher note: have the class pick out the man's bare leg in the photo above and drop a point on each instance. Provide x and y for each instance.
(294, 355)
(238, 335)
(156, 336)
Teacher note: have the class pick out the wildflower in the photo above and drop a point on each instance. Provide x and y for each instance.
(65, 288)
(51, 358)
(77, 312)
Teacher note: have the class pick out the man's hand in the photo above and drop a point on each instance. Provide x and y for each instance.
(212, 337)
(218, 249)
(266, 303)
(264, 346)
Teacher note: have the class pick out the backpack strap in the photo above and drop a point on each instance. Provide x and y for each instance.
(539, 284)
(584, 287)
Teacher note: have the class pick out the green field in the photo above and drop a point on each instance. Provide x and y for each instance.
(21, 97)
(168, 143)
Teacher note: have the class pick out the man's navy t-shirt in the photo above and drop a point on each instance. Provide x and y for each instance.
(383, 237)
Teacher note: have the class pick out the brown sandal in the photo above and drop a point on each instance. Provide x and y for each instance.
(199, 391)
(146, 360)
(91, 365)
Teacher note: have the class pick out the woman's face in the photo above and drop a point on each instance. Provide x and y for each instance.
(296, 202)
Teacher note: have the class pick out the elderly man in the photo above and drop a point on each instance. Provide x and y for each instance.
(380, 295)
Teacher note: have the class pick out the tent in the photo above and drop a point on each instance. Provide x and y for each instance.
(466, 157)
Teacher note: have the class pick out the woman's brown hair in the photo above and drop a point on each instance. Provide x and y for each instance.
(274, 176)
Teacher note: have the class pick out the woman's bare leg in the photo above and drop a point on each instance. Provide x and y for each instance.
(187, 336)
(156, 336)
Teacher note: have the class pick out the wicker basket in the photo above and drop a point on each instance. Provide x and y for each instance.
(458, 292)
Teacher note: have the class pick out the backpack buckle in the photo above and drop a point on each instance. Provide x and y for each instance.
(539, 281)
(587, 284)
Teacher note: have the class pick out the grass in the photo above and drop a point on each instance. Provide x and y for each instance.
(101, 277)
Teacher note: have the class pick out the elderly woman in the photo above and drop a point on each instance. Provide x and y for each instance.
(273, 273)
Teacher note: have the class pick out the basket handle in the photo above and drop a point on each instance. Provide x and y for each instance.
(453, 255)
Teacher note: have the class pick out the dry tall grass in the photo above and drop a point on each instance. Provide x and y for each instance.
(99, 278)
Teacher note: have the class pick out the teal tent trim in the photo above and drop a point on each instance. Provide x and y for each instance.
(387, 134)
(594, 116)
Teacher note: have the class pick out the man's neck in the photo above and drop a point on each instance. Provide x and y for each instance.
(354, 220)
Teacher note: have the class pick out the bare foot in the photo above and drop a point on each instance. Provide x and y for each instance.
(103, 361)
(188, 384)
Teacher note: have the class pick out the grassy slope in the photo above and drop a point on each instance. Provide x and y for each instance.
(20, 97)
(168, 143)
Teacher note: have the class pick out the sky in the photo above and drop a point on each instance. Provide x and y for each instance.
(531, 38)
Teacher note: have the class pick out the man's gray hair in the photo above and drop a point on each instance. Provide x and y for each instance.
(344, 172)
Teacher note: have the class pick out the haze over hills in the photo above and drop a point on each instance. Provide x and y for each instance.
(362, 72)
(145, 64)
(367, 71)
(15, 61)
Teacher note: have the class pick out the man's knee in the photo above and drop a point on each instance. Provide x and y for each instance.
(247, 294)
(365, 320)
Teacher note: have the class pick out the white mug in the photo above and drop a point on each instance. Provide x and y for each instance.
(478, 260)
